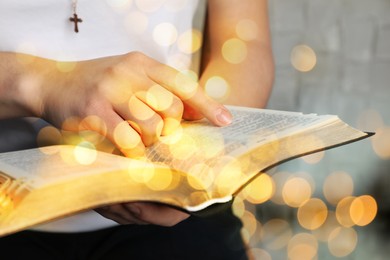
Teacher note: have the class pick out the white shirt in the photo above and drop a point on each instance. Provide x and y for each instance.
(158, 28)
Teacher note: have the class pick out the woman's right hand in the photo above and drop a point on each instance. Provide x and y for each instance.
(132, 98)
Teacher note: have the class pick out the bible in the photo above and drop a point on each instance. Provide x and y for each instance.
(196, 167)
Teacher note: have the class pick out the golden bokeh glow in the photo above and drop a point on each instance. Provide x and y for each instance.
(250, 223)
(381, 142)
(280, 178)
(185, 86)
(337, 186)
(296, 191)
(312, 214)
(142, 176)
(95, 123)
(303, 58)
(140, 173)
(302, 246)
(5, 202)
(247, 30)
(363, 210)
(170, 125)
(322, 233)
(234, 51)
(260, 189)
(72, 138)
(276, 234)
(174, 137)
(202, 172)
(273, 148)
(161, 180)
(159, 98)
(119, 4)
(184, 148)
(175, 5)
(125, 137)
(230, 173)
(139, 109)
(370, 119)
(342, 241)
(165, 34)
(116, 89)
(258, 254)
(71, 124)
(238, 206)
(68, 156)
(313, 158)
(190, 41)
(180, 61)
(49, 135)
(217, 88)
(85, 153)
(210, 145)
(191, 74)
(66, 66)
(343, 214)
(149, 5)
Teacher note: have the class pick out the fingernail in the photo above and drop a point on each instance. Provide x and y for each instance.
(224, 117)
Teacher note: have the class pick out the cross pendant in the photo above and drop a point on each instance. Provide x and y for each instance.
(75, 19)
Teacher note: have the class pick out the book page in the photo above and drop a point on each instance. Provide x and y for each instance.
(255, 126)
(199, 141)
(51, 164)
(198, 147)
(195, 148)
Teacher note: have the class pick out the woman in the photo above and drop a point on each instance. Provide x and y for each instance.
(102, 59)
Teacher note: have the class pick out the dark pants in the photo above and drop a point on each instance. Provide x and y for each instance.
(215, 236)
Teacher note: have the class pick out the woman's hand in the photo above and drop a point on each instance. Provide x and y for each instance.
(134, 98)
(143, 213)
(131, 99)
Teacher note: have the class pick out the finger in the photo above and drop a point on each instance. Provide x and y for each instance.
(115, 217)
(159, 214)
(141, 118)
(119, 214)
(93, 122)
(107, 123)
(213, 111)
(166, 104)
(189, 91)
(121, 134)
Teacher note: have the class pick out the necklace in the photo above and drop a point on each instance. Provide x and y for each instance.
(75, 19)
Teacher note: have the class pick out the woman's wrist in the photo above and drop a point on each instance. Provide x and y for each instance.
(20, 86)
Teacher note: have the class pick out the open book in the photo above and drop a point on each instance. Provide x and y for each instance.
(197, 166)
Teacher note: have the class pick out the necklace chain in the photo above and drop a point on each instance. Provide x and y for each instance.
(74, 6)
